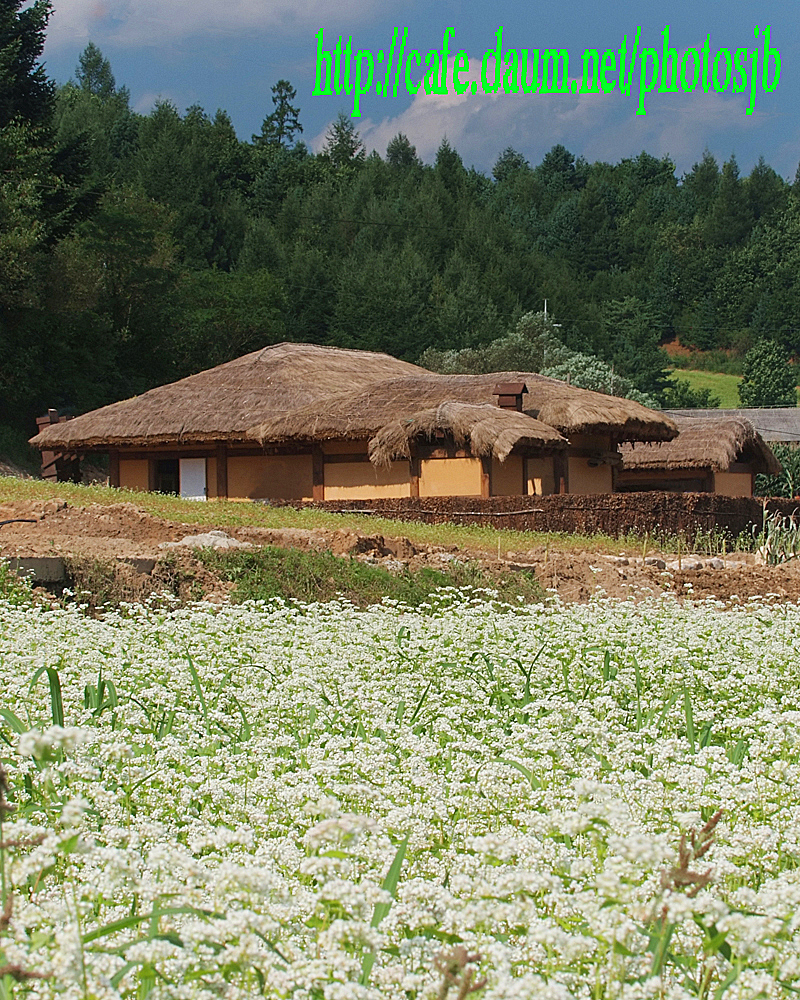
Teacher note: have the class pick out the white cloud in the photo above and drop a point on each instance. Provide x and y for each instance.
(145, 103)
(156, 22)
(76, 21)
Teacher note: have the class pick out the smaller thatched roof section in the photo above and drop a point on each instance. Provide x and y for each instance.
(487, 429)
(220, 404)
(704, 444)
(566, 408)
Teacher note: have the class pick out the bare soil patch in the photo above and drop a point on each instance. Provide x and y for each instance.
(123, 534)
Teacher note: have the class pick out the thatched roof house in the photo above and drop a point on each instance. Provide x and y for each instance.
(191, 437)
(296, 420)
(709, 455)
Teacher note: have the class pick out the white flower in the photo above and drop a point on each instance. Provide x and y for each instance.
(39, 744)
(73, 811)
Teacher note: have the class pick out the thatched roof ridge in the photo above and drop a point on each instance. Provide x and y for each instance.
(568, 409)
(703, 444)
(222, 403)
(487, 429)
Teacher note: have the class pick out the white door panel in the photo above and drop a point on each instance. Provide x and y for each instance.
(193, 478)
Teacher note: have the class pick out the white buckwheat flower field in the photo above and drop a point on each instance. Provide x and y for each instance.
(463, 799)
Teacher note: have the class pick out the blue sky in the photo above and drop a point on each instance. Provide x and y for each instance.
(229, 54)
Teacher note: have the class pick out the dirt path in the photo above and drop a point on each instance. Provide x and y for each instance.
(124, 534)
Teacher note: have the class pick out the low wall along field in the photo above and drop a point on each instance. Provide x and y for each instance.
(611, 514)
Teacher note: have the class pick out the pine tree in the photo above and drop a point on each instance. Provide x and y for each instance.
(766, 190)
(508, 163)
(730, 218)
(94, 75)
(400, 152)
(25, 91)
(279, 128)
(343, 143)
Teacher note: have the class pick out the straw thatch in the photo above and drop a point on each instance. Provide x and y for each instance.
(705, 444)
(569, 409)
(487, 430)
(222, 403)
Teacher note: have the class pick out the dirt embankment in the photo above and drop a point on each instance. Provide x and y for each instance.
(145, 549)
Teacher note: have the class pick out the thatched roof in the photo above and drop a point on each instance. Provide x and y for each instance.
(222, 403)
(569, 409)
(487, 430)
(705, 444)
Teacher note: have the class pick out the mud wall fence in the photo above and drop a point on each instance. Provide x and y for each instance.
(610, 514)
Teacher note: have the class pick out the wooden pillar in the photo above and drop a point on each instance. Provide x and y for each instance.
(413, 469)
(318, 472)
(486, 475)
(613, 446)
(152, 474)
(113, 468)
(222, 470)
(561, 464)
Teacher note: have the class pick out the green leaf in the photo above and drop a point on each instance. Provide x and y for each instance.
(381, 909)
(715, 940)
(13, 720)
(687, 707)
(126, 922)
(56, 703)
(526, 772)
(198, 687)
(420, 703)
(659, 946)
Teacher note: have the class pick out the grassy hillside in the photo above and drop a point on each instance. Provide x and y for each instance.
(721, 384)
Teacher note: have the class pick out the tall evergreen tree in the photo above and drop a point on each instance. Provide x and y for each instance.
(730, 218)
(400, 152)
(508, 162)
(94, 75)
(25, 90)
(766, 191)
(343, 143)
(633, 341)
(700, 184)
(280, 127)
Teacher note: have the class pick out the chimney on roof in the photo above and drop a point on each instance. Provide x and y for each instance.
(57, 466)
(509, 395)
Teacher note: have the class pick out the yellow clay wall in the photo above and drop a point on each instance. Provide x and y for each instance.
(541, 478)
(134, 474)
(508, 478)
(450, 477)
(733, 484)
(362, 481)
(287, 477)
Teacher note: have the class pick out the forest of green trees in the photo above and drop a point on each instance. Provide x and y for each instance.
(137, 249)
